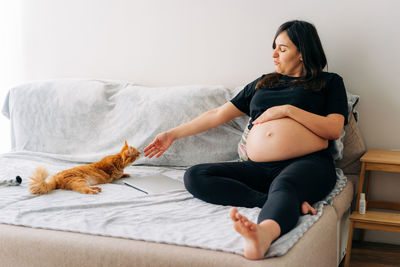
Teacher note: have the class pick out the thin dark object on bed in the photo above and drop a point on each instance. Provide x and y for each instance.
(136, 188)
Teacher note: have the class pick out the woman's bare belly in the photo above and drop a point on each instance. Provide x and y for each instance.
(281, 139)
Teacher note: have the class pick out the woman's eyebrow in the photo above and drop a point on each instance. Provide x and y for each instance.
(282, 45)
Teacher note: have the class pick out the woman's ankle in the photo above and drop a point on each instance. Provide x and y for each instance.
(271, 227)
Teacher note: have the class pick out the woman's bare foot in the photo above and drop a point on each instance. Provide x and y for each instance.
(306, 208)
(258, 237)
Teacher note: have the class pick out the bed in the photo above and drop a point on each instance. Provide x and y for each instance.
(63, 123)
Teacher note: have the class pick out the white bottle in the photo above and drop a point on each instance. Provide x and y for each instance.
(363, 204)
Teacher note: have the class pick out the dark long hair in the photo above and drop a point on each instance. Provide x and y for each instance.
(305, 37)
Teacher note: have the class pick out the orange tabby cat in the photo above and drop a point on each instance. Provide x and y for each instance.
(81, 178)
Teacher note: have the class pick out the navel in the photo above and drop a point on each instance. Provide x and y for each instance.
(268, 134)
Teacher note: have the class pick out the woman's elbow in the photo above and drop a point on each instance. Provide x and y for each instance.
(336, 134)
(336, 126)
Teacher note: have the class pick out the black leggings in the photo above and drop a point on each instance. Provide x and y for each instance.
(278, 188)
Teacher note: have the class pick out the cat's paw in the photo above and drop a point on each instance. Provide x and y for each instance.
(88, 190)
(98, 189)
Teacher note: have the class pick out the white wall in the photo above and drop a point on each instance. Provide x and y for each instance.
(10, 60)
(228, 42)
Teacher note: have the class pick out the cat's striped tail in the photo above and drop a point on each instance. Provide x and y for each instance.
(39, 185)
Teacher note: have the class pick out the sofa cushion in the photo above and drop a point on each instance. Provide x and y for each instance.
(337, 149)
(353, 148)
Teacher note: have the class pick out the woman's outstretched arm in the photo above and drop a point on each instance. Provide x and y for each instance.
(205, 121)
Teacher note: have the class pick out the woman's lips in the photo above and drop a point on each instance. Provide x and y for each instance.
(276, 62)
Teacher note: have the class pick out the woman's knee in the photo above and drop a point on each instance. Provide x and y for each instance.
(194, 178)
(280, 184)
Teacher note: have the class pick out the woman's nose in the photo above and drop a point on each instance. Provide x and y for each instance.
(274, 54)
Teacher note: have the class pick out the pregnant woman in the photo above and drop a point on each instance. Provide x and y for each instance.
(294, 113)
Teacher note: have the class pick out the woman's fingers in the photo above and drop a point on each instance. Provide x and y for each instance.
(148, 147)
(151, 154)
(157, 153)
(257, 121)
(154, 151)
(151, 149)
(148, 152)
(160, 153)
(159, 145)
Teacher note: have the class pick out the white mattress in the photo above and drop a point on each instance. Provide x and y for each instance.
(173, 217)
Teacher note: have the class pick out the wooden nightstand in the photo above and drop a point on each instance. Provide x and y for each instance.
(375, 160)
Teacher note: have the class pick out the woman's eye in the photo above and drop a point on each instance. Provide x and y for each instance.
(282, 50)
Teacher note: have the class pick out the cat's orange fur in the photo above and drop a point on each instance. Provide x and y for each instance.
(82, 177)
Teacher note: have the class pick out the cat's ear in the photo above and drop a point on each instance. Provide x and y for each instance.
(125, 146)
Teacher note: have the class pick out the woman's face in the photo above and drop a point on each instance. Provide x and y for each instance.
(287, 58)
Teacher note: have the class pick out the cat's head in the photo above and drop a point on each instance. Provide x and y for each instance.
(129, 154)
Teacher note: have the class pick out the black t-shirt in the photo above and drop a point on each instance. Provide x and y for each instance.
(331, 99)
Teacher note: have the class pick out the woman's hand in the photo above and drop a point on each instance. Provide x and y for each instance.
(159, 145)
(274, 113)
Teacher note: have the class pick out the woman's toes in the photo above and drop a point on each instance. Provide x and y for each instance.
(233, 214)
(306, 208)
(313, 211)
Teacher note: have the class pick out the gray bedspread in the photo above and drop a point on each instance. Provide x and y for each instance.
(120, 211)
